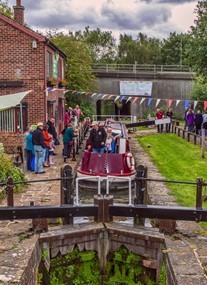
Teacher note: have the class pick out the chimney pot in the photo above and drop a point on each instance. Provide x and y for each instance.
(18, 3)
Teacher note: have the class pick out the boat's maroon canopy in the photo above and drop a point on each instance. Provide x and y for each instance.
(104, 164)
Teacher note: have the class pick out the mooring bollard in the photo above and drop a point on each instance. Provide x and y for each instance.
(10, 192)
(66, 190)
(140, 190)
(199, 187)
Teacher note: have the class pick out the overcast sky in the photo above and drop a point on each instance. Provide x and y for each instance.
(156, 18)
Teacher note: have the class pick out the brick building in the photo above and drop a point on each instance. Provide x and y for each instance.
(28, 60)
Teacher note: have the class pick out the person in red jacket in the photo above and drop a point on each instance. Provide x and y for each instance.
(47, 140)
(159, 115)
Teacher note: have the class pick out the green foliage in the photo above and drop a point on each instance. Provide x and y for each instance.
(5, 9)
(77, 268)
(8, 169)
(174, 49)
(101, 43)
(142, 50)
(199, 90)
(170, 154)
(198, 40)
(162, 277)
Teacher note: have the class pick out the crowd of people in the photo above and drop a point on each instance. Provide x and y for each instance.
(194, 120)
(40, 142)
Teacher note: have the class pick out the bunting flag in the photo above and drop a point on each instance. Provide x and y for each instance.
(122, 98)
(142, 101)
(117, 97)
(169, 103)
(48, 89)
(205, 105)
(195, 104)
(177, 102)
(135, 99)
(110, 96)
(186, 104)
(149, 101)
(99, 95)
(128, 99)
(104, 96)
(94, 94)
(158, 101)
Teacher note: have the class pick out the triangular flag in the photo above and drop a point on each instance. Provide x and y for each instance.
(99, 95)
(149, 101)
(94, 94)
(117, 97)
(195, 104)
(142, 101)
(205, 105)
(177, 102)
(110, 96)
(129, 99)
(122, 98)
(158, 101)
(186, 104)
(169, 103)
(104, 96)
(74, 91)
(135, 99)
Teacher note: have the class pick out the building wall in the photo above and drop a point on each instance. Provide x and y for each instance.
(24, 67)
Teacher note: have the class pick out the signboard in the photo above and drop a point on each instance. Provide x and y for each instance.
(55, 66)
(136, 88)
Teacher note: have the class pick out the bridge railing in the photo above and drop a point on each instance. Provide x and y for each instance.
(136, 68)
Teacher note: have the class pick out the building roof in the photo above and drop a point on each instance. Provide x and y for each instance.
(31, 33)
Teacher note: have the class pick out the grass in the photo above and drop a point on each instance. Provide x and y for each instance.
(177, 159)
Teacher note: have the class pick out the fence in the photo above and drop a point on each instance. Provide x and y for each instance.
(103, 209)
(136, 68)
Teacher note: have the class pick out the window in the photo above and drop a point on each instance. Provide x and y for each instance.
(10, 120)
(49, 67)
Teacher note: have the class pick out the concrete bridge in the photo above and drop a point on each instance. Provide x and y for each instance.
(170, 82)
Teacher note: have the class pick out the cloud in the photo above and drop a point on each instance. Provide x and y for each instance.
(167, 1)
(155, 18)
(138, 19)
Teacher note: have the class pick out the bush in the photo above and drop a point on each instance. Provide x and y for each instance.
(8, 169)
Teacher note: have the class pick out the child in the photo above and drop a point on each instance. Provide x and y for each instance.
(51, 152)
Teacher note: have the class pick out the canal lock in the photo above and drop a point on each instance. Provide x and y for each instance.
(101, 254)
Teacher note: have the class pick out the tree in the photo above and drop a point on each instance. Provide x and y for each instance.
(174, 49)
(101, 43)
(5, 9)
(142, 50)
(197, 51)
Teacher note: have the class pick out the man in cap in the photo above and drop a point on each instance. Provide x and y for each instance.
(39, 148)
(97, 138)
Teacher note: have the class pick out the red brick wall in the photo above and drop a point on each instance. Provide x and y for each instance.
(11, 141)
(20, 61)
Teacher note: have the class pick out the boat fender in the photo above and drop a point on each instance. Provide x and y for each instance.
(130, 161)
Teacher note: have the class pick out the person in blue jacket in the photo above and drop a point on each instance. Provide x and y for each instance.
(30, 150)
(68, 140)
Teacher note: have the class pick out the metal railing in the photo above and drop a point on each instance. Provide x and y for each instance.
(136, 68)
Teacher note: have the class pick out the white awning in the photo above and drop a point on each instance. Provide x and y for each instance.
(12, 100)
